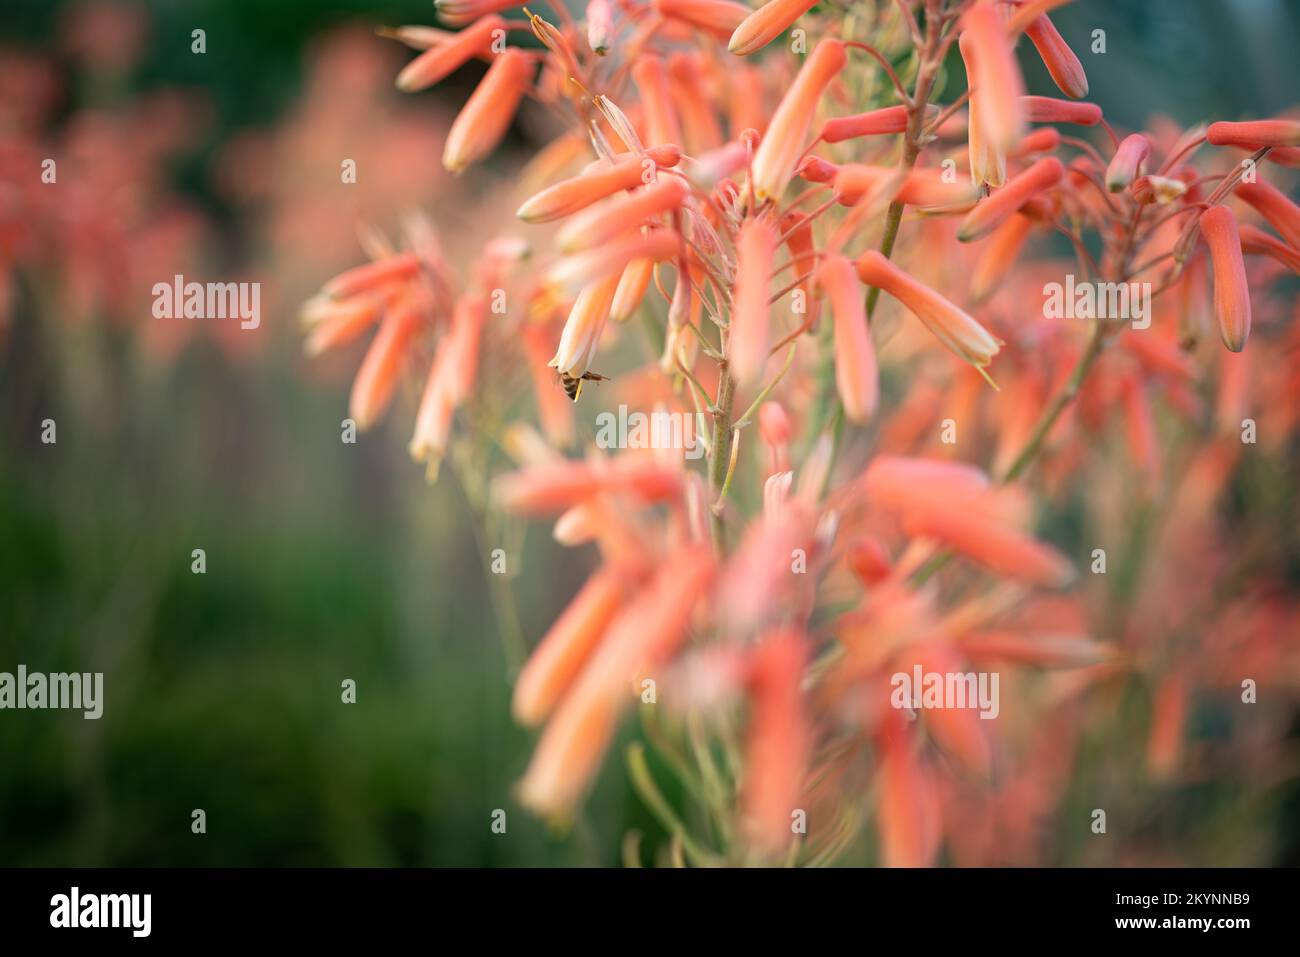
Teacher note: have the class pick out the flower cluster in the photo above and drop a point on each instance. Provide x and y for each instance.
(847, 277)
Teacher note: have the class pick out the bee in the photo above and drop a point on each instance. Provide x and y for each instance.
(573, 384)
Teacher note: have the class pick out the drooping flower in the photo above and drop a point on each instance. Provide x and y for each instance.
(584, 326)
(395, 268)
(489, 111)
(856, 376)
(632, 286)
(568, 645)
(1271, 203)
(955, 505)
(1066, 70)
(450, 382)
(574, 272)
(1127, 162)
(1001, 205)
(996, 78)
(777, 741)
(988, 163)
(460, 12)
(571, 195)
(1231, 292)
(335, 322)
(778, 153)
(751, 308)
(718, 17)
(658, 113)
(440, 61)
(999, 255)
(766, 24)
(1256, 242)
(372, 390)
(644, 635)
(959, 332)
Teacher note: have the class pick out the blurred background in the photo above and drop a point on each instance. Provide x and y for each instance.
(328, 561)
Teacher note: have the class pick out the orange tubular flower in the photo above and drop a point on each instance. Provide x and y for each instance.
(999, 255)
(766, 24)
(856, 375)
(783, 142)
(958, 732)
(1062, 64)
(777, 742)
(799, 239)
(554, 486)
(1046, 109)
(876, 185)
(988, 164)
(571, 195)
(396, 268)
(756, 586)
(660, 157)
(1255, 134)
(751, 309)
(814, 169)
(1000, 206)
(745, 109)
(335, 322)
(569, 275)
(632, 286)
(1271, 203)
(584, 326)
(930, 188)
(441, 61)
(1231, 294)
(659, 115)
(1256, 242)
(489, 111)
(462, 346)
(1042, 140)
(643, 636)
(960, 333)
(1127, 162)
(568, 645)
(698, 114)
(890, 119)
(950, 503)
(451, 379)
(372, 390)
(460, 12)
(908, 812)
(600, 224)
(716, 165)
(997, 77)
(718, 17)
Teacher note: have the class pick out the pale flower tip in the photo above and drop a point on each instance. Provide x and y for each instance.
(432, 467)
